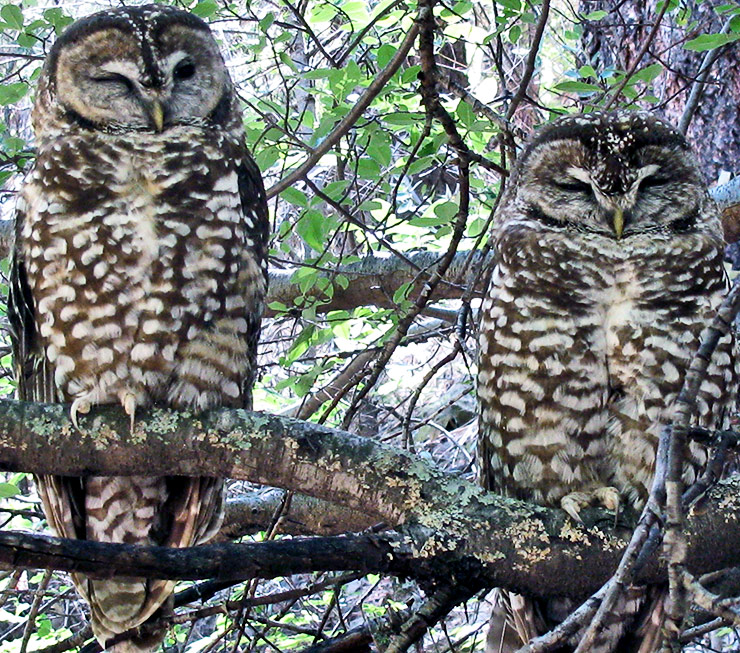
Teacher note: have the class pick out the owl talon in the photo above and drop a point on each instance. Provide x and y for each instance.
(572, 504)
(81, 405)
(129, 407)
(608, 497)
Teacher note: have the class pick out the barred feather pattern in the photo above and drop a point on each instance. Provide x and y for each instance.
(589, 325)
(139, 274)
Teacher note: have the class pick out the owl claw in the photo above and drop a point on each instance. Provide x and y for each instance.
(129, 407)
(81, 405)
(608, 497)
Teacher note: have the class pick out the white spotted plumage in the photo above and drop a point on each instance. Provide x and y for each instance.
(609, 266)
(139, 272)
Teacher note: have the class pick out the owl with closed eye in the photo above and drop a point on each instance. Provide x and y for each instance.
(139, 273)
(609, 266)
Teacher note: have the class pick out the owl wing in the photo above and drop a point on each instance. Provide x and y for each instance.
(62, 497)
(257, 222)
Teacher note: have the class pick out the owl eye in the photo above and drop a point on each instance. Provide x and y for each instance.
(653, 182)
(114, 78)
(573, 186)
(184, 70)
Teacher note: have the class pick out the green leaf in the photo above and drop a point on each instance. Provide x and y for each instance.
(8, 490)
(465, 113)
(706, 42)
(367, 168)
(267, 21)
(596, 15)
(285, 58)
(336, 189)
(411, 74)
(514, 33)
(295, 197)
(577, 87)
(649, 73)
(56, 17)
(403, 118)
(319, 73)
(379, 148)
(446, 210)
(402, 293)
(313, 227)
(385, 54)
(205, 8)
(586, 71)
(13, 16)
(11, 93)
(266, 157)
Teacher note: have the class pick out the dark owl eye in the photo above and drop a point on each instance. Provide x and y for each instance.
(653, 182)
(573, 186)
(184, 70)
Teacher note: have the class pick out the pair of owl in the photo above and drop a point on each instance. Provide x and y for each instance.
(139, 277)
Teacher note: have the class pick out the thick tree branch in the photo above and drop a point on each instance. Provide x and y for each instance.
(451, 530)
(374, 280)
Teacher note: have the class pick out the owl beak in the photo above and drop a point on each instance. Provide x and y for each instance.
(618, 222)
(157, 113)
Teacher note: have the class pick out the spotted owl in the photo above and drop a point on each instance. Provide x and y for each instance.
(139, 272)
(609, 266)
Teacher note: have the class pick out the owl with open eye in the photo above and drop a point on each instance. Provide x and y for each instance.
(139, 273)
(609, 266)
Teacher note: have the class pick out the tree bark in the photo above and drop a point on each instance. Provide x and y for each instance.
(449, 529)
(614, 42)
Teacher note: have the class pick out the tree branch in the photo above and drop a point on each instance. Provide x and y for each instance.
(451, 529)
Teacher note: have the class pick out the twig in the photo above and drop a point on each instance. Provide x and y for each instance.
(33, 612)
(437, 607)
(675, 537)
(531, 60)
(357, 110)
(430, 99)
(698, 86)
(629, 565)
(638, 58)
(559, 635)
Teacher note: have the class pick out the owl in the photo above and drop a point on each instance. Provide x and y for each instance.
(609, 266)
(139, 272)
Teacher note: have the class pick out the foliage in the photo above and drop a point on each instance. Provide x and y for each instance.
(389, 184)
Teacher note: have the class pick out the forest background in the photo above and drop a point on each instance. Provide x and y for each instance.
(385, 132)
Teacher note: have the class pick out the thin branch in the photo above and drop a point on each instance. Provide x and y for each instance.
(638, 58)
(675, 537)
(698, 86)
(355, 113)
(534, 50)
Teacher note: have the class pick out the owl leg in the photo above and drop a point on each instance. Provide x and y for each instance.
(604, 496)
(81, 405)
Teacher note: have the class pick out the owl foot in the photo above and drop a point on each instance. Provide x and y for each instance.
(128, 400)
(81, 405)
(604, 496)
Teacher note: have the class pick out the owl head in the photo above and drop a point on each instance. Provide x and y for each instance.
(614, 174)
(134, 69)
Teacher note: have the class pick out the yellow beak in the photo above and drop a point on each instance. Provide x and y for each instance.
(157, 113)
(618, 222)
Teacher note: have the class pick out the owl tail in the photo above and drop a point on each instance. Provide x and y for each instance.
(117, 606)
(635, 626)
(166, 511)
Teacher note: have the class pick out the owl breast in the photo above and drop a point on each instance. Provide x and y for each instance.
(582, 360)
(140, 282)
